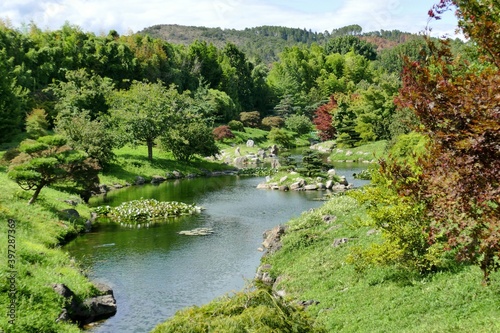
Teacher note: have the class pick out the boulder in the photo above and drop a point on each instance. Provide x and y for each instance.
(331, 173)
(329, 184)
(339, 241)
(274, 150)
(177, 174)
(241, 160)
(321, 186)
(312, 187)
(262, 154)
(70, 214)
(263, 275)
(158, 179)
(139, 180)
(272, 239)
(250, 143)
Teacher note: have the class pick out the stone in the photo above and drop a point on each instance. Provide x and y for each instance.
(283, 179)
(329, 184)
(241, 160)
(295, 186)
(70, 214)
(262, 154)
(237, 151)
(284, 188)
(250, 143)
(103, 188)
(312, 187)
(158, 179)
(331, 173)
(329, 218)
(272, 238)
(139, 180)
(177, 174)
(343, 181)
(339, 241)
(321, 186)
(263, 275)
(274, 150)
(275, 164)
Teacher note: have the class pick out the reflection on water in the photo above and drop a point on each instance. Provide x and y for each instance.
(155, 271)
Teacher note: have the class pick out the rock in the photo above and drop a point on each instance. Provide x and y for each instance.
(305, 304)
(321, 186)
(272, 239)
(331, 173)
(343, 181)
(103, 188)
(237, 151)
(283, 179)
(70, 214)
(295, 186)
(339, 241)
(262, 154)
(250, 143)
(329, 184)
(139, 180)
(284, 188)
(275, 164)
(263, 186)
(311, 187)
(71, 202)
(104, 289)
(91, 309)
(177, 174)
(371, 232)
(274, 150)
(158, 179)
(329, 218)
(241, 160)
(263, 275)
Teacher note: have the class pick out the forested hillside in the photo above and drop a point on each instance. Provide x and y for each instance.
(265, 43)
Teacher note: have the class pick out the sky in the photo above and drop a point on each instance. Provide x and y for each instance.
(129, 16)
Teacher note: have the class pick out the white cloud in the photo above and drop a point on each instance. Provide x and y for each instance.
(100, 16)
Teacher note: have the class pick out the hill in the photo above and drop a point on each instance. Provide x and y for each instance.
(265, 43)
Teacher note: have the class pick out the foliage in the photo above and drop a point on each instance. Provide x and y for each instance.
(348, 43)
(146, 210)
(95, 137)
(280, 137)
(272, 122)
(251, 311)
(222, 132)
(250, 119)
(49, 160)
(299, 124)
(236, 125)
(36, 123)
(323, 120)
(145, 111)
(12, 99)
(189, 138)
(312, 164)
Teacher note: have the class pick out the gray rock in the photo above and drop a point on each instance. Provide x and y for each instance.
(311, 187)
(241, 160)
(158, 179)
(284, 188)
(263, 275)
(139, 180)
(177, 174)
(250, 143)
(321, 186)
(329, 184)
(274, 150)
(339, 241)
(295, 186)
(272, 239)
(70, 214)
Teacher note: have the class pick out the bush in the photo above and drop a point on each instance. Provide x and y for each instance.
(299, 124)
(280, 137)
(36, 123)
(272, 122)
(250, 119)
(236, 125)
(222, 132)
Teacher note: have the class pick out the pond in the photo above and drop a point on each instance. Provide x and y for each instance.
(155, 271)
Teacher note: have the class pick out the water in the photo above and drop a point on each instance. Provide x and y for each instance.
(155, 272)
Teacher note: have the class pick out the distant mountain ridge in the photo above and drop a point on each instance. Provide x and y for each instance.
(264, 43)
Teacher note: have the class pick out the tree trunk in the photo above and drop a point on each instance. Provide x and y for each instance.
(35, 195)
(150, 150)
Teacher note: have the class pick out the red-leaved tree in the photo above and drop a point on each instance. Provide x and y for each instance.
(458, 105)
(323, 120)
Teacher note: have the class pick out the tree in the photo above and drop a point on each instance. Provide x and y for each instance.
(457, 105)
(36, 123)
(272, 122)
(312, 164)
(49, 160)
(299, 124)
(324, 120)
(188, 138)
(94, 137)
(348, 43)
(279, 136)
(145, 111)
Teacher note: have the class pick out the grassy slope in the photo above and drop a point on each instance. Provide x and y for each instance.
(378, 299)
(39, 260)
(368, 152)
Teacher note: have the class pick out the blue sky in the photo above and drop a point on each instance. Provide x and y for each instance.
(127, 16)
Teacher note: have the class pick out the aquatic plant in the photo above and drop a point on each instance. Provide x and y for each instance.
(146, 210)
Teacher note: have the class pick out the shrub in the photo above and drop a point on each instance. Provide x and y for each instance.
(250, 119)
(272, 122)
(299, 124)
(236, 125)
(36, 123)
(222, 132)
(280, 137)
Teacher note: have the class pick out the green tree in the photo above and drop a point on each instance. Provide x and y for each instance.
(47, 161)
(299, 124)
(94, 137)
(348, 43)
(312, 164)
(188, 138)
(280, 137)
(145, 111)
(37, 124)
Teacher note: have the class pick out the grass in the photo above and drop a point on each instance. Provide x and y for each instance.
(39, 261)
